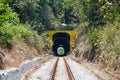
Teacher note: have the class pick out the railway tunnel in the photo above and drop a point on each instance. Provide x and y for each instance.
(61, 44)
(62, 41)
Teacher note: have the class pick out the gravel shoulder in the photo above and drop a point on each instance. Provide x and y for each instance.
(43, 73)
(27, 75)
(80, 72)
(101, 74)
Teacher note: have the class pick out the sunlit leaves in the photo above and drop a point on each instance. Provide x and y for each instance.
(10, 27)
(111, 11)
(7, 15)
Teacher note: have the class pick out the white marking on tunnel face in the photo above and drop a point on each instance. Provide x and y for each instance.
(63, 24)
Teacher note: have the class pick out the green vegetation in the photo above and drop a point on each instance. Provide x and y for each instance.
(100, 27)
(110, 43)
(11, 28)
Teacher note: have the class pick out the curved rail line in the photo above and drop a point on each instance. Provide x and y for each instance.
(70, 75)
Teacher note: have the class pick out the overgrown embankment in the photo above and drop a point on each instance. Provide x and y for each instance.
(17, 40)
(99, 38)
(101, 45)
(100, 28)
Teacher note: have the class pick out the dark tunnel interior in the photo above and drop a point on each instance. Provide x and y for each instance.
(61, 39)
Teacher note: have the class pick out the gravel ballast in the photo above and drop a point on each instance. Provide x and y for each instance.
(43, 73)
(61, 73)
(80, 72)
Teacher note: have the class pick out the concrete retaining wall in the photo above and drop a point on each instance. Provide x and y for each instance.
(16, 73)
(28, 65)
(10, 74)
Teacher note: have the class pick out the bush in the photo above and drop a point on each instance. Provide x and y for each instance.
(105, 41)
(9, 32)
(11, 28)
(95, 37)
(7, 15)
(110, 43)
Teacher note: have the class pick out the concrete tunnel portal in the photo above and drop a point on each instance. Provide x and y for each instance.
(61, 44)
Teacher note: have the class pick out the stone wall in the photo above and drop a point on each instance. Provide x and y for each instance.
(16, 73)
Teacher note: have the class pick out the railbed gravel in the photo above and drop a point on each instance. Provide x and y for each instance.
(80, 72)
(61, 72)
(43, 73)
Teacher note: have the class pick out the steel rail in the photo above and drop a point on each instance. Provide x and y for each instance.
(70, 74)
(54, 70)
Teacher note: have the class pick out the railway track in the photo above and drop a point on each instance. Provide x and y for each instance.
(62, 68)
(67, 68)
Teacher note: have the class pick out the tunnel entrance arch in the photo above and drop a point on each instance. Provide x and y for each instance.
(61, 40)
(70, 33)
